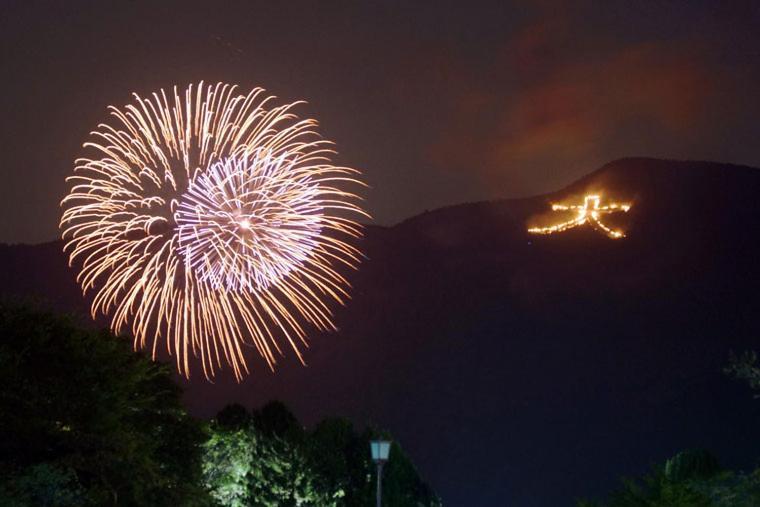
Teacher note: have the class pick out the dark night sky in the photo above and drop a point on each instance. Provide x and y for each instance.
(437, 102)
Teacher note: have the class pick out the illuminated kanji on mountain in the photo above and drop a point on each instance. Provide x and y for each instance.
(589, 212)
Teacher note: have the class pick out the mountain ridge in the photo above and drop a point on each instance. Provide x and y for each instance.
(521, 368)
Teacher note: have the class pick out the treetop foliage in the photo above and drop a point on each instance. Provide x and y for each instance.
(691, 478)
(85, 421)
(84, 417)
(267, 458)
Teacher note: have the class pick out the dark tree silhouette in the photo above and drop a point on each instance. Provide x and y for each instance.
(87, 421)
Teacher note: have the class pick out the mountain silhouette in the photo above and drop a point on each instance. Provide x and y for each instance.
(521, 369)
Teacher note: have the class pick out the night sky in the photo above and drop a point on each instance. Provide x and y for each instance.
(440, 103)
(436, 102)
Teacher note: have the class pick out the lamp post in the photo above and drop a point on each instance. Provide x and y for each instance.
(380, 450)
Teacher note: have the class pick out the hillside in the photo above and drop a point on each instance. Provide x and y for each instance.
(528, 370)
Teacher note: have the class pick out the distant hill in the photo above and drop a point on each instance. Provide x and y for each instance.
(529, 370)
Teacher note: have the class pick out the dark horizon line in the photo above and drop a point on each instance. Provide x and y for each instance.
(499, 199)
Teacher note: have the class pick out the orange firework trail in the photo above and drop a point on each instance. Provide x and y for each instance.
(210, 221)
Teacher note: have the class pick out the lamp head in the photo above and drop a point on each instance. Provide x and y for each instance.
(380, 450)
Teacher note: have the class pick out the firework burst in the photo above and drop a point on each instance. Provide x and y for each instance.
(208, 221)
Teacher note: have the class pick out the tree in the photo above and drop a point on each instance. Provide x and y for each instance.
(730, 489)
(696, 464)
(233, 417)
(402, 484)
(82, 414)
(275, 419)
(273, 461)
(227, 462)
(744, 367)
(343, 458)
(86, 421)
(688, 479)
(335, 450)
(657, 490)
(46, 485)
(246, 465)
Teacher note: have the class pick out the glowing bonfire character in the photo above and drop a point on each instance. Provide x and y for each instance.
(589, 213)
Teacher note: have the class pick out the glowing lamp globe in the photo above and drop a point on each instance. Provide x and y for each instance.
(380, 450)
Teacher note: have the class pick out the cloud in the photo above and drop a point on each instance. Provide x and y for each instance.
(558, 101)
(583, 103)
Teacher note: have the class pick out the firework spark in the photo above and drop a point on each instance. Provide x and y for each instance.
(589, 213)
(210, 221)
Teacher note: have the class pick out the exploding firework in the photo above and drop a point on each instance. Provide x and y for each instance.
(588, 213)
(209, 221)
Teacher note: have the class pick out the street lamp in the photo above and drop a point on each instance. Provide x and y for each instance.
(380, 450)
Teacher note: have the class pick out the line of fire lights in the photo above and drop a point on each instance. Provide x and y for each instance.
(589, 212)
